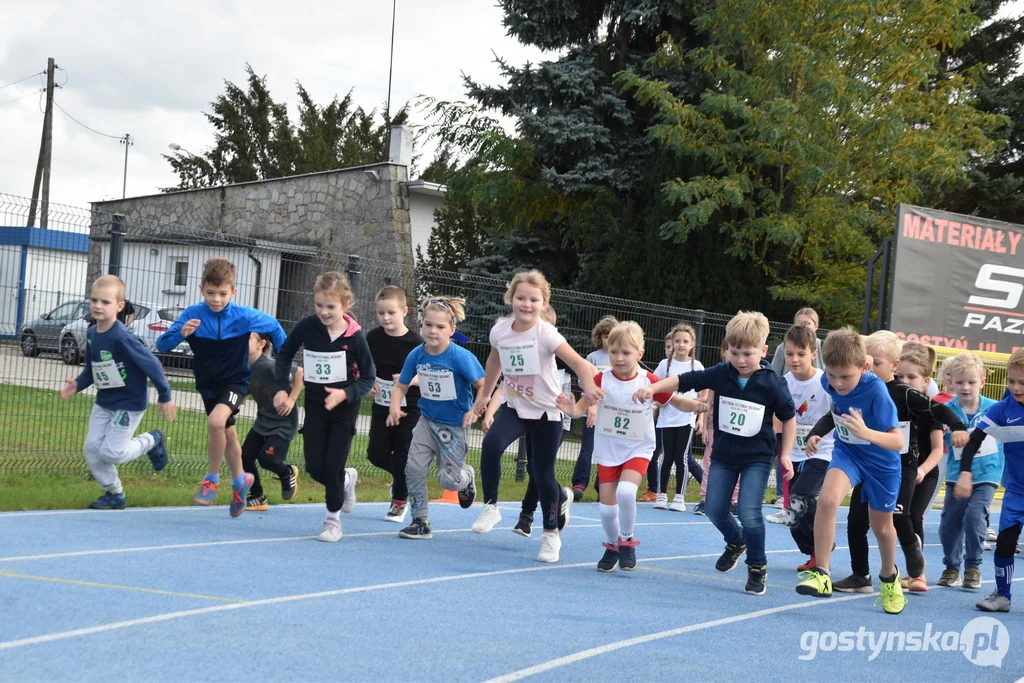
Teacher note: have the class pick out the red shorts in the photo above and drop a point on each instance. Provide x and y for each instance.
(609, 473)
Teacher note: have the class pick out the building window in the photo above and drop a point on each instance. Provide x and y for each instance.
(177, 273)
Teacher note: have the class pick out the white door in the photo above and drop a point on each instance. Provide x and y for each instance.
(10, 286)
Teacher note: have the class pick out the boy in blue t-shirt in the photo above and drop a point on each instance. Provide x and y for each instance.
(868, 440)
(1004, 422)
(119, 365)
(448, 374)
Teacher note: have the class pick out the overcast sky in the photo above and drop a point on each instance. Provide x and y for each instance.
(150, 69)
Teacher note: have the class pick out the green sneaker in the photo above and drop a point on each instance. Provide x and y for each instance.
(815, 582)
(892, 599)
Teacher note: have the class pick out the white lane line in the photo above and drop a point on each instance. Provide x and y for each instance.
(113, 626)
(640, 640)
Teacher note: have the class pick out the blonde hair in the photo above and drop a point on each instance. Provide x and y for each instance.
(449, 305)
(534, 278)
(1016, 359)
(602, 328)
(333, 283)
(809, 312)
(886, 342)
(916, 357)
(392, 293)
(110, 281)
(747, 328)
(945, 375)
(683, 327)
(627, 332)
(549, 315)
(964, 362)
(218, 271)
(922, 349)
(843, 348)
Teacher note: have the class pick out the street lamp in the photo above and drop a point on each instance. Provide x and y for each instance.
(175, 147)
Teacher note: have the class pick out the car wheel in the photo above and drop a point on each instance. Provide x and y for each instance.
(29, 347)
(69, 352)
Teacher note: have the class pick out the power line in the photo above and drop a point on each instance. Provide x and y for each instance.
(112, 137)
(16, 99)
(22, 79)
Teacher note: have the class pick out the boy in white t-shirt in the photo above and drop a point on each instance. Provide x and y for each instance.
(623, 439)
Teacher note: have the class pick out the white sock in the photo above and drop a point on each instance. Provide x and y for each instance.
(625, 493)
(336, 516)
(610, 522)
(148, 441)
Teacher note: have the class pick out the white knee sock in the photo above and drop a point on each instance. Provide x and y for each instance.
(610, 522)
(336, 516)
(625, 493)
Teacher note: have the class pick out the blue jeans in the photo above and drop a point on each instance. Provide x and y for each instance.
(581, 473)
(721, 482)
(963, 523)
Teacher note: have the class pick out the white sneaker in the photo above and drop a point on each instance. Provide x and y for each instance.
(662, 502)
(990, 535)
(488, 517)
(331, 532)
(779, 503)
(397, 512)
(550, 545)
(566, 504)
(678, 504)
(351, 477)
(780, 517)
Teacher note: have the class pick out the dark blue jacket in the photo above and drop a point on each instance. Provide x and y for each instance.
(765, 388)
(134, 363)
(220, 345)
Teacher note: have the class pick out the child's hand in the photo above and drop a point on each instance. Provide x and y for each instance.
(920, 475)
(190, 327)
(374, 390)
(286, 407)
(959, 438)
(643, 395)
(592, 392)
(962, 490)
(487, 422)
(811, 447)
(279, 399)
(699, 409)
(480, 406)
(394, 417)
(469, 418)
(787, 467)
(168, 410)
(566, 403)
(591, 416)
(69, 390)
(335, 397)
(854, 422)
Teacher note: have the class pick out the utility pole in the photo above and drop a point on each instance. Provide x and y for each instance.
(45, 155)
(391, 65)
(127, 142)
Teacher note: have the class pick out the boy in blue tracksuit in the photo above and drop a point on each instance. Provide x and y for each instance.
(119, 365)
(218, 333)
(747, 394)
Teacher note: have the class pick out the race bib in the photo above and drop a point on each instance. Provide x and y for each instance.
(625, 422)
(845, 436)
(324, 368)
(802, 434)
(566, 382)
(383, 397)
(988, 447)
(105, 375)
(739, 417)
(437, 385)
(905, 431)
(520, 359)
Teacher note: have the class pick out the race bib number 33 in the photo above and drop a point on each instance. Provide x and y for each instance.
(324, 368)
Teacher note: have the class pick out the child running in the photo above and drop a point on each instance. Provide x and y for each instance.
(272, 433)
(599, 359)
(676, 426)
(867, 446)
(964, 520)
(337, 372)
(217, 330)
(624, 440)
(1003, 421)
(118, 364)
(523, 349)
(390, 344)
(747, 394)
(654, 469)
(448, 375)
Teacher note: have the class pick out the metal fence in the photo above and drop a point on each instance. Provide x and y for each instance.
(46, 276)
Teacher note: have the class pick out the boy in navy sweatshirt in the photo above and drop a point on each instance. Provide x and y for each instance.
(118, 364)
(218, 333)
(747, 394)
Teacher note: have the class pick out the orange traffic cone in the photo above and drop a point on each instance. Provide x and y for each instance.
(448, 497)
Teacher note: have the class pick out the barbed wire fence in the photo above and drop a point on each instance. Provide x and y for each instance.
(161, 263)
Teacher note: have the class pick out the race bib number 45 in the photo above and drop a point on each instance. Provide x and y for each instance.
(105, 375)
(625, 422)
(739, 417)
(324, 368)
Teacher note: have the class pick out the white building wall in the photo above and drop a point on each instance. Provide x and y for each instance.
(10, 285)
(421, 217)
(51, 278)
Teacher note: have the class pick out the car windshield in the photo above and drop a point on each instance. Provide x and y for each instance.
(169, 314)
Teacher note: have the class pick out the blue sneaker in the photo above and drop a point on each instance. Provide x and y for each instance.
(206, 494)
(158, 453)
(109, 501)
(238, 496)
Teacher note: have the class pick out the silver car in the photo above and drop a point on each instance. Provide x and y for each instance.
(150, 322)
(44, 333)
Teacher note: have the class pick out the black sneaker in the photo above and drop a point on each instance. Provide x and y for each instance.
(757, 575)
(699, 510)
(419, 530)
(468, 494)
(730, 557)
(854, 583)
(627, 554)
(109, 501)
(257, 503)
(577, 493)
(610, 558)
(290, 483)
(524, 527)
(733, 511)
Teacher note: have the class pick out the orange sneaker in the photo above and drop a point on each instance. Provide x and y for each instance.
(808, 565)
(917, 584)
(649, 497)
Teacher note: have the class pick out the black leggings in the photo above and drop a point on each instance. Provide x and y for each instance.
(804, 488)
(388, 447)
(922, 496)
(530, 498)
(544, 439)
(326, 442)
(268, 451)
(676, 441)
(857, 525)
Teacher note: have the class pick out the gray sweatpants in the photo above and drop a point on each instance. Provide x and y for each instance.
(448, 444)
(110, 443)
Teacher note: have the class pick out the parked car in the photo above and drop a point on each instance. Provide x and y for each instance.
(44, 333)
(150, 322)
